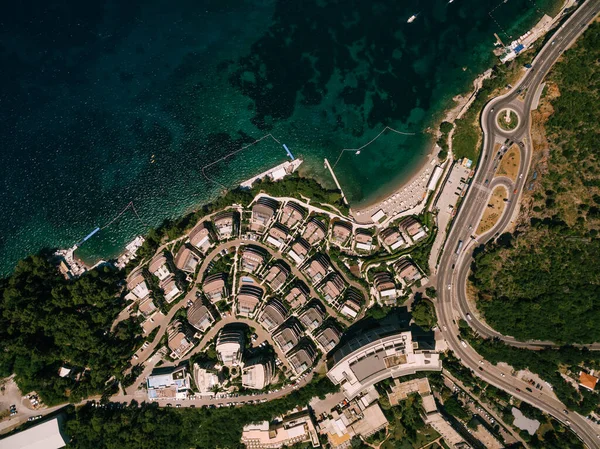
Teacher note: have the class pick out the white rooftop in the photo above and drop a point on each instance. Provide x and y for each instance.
(43, 436)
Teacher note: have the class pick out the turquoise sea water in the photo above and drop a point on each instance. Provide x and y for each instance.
(107, 102)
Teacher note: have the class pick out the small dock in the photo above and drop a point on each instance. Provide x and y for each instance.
(276, 173)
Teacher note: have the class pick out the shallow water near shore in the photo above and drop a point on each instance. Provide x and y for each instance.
(112, 102)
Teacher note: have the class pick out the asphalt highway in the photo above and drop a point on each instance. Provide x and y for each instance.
(455, 261)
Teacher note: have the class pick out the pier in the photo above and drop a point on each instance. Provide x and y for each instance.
(336, 181)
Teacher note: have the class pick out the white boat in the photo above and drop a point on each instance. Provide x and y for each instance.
(411, 19)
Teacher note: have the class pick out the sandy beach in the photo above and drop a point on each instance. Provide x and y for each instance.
(410, 195)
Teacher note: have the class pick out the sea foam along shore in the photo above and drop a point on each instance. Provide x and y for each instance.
(409, 197)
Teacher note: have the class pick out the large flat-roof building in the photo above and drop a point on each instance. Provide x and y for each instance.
(370, 356)
(168, 383)
(46, 435)
(289, 431)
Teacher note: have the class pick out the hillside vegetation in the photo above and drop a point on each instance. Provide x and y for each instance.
(543, 282)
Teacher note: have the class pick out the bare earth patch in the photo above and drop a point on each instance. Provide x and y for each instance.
(493, 210)
(509, 166)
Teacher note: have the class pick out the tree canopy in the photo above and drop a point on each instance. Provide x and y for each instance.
(47, 322)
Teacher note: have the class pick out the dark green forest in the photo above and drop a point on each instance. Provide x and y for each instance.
(47, 322)
(147, 426)
(543, 282)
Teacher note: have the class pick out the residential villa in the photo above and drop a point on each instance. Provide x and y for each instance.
(159, 268)
(317, 268)
(248, 298)
(169, 287)
(587, 381)
(137, 284)
(273, 315)
(315, 231)
(256, 375)
(407, 271)
(363, 240)
(230, 345)
(252, 258)
(292, 214)
(333, 287)
(414, 229)
(206, 378)
(178, 342)
(288, 335)
(385, 286)
(299, 250)
(277, 275)
(302, 357)
(298, 295)
(328, 337)
(199, 316)
(224, 223)
(168, 383)
(341, 232)
(351, 304)
(392, 238)
(186, 260)
(278, 235)
(146, 306)
(312, 317)
(214, 287)
(200, 237)
(263, 212)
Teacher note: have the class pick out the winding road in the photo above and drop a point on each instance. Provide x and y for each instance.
(455, 262)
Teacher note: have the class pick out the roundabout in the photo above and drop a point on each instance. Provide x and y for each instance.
(507, 120)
